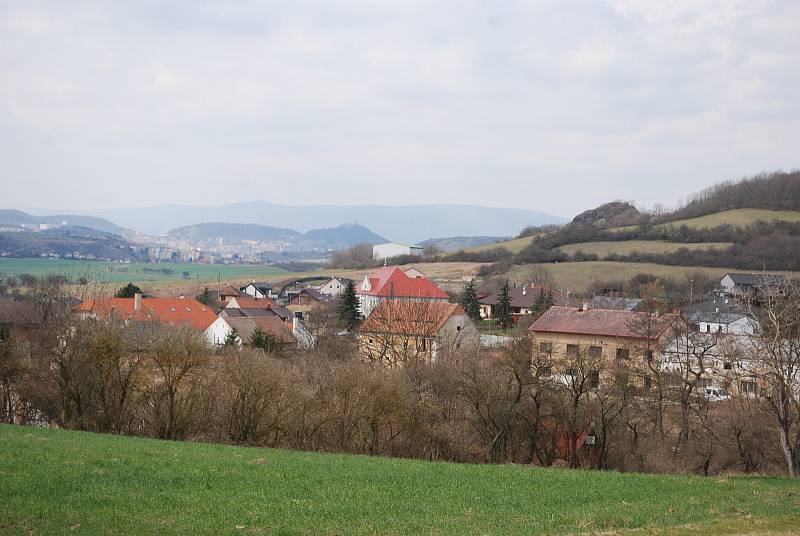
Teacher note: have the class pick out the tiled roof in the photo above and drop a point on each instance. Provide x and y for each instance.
(392, 282)
(603, 322)
(248, 302)
(524, 297)
(410, 317)
(758, 280)
(173, 311)
(230, 291)
(272, 325)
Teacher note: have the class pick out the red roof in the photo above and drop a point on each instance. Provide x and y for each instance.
(392, 282)
(248, 302)
(173, 311)
(603, 322)
(410, 317)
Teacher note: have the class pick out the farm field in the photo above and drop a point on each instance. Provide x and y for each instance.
(740, 217)
(115, 272)
(58, 482)
(514, 246)
(578, 276)
(602, 249)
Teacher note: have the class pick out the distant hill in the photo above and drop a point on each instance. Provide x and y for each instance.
(233, 231)
(409, 224)
(340, 237)
(67, 242)
(17, 217)
(455, 243)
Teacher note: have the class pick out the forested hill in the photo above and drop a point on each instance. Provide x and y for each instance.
(773, 191)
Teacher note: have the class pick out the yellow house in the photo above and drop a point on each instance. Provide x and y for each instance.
(398, 332)
(602, 338)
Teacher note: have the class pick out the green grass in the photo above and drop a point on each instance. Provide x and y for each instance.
(58, 482)
(740, 217)
(626, 247)
(115, 272)
(578, 276)
(514, 246)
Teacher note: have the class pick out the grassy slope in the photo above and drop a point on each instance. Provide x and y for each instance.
(641, 246)
(54, 481)
(113, 272)
(739, 217)
(515, 246)
(577, 276)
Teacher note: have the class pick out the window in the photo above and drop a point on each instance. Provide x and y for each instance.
(573, 350)
(648, 355)
(623, 353)
(546, 347)
(596, 352)
(594, 378)
(727, 365)
(747, 387)
(648, 383)
(458, 328)
(708, 328)
(424, 344)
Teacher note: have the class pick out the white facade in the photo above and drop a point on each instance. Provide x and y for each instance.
(742, 326)
(393, 249)
(215, 333)
(334, 287)
(253, 291)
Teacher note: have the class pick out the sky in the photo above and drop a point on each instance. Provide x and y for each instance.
(554, 106)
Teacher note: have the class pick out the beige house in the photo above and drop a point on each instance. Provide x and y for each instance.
(602, 338)
(399, 332)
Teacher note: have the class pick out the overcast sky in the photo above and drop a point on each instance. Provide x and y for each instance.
(556, 106)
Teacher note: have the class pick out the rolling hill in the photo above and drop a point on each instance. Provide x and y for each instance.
(340, 237)
(17, 217)
(67, 242)
(407, 224)
(740, 217)
(61, 482)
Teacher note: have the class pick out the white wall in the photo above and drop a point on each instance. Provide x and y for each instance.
(392, 249)
(216, 332)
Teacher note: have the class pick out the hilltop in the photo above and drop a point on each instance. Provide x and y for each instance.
(57, 481)
(19, 218)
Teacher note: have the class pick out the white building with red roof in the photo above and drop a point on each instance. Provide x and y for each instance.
(391, 283)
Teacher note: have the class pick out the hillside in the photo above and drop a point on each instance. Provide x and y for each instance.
(57, 482)
(455, 243)
(408, 224)
(67, 242)
(17, 217)
(340, 237)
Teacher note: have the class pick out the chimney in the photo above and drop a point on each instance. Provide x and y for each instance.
(716, 309)
(137, 302)
(181, 296)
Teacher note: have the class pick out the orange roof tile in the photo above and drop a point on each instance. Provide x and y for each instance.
(173, 311)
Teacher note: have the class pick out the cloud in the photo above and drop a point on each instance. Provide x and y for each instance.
(548, 105)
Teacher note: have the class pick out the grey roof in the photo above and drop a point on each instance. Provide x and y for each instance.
(608, 302)
(758, 279)
(716, 318)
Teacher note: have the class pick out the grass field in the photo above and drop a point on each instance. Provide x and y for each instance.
(514, 246)
(740, 217)
(627, 247)
(114, 272)
(61, 482)
(578, 276)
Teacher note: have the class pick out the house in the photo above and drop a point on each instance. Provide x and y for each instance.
(227, 293)
(309, 297)
(274, 326)
(399, 331)
(613, 302)
(391, 283)
(728, 323)
(610, 337)
(753, 286)
(393, 249)
(523, 300)
(259, 289)
(414, 272)
(334, 286)
(246, 302)
(169, 311)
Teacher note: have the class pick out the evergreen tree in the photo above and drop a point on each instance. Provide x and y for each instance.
(469, 301)
(231, 339)
(502, 311)
(347, 307)
(266, 341)
(128, 291)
